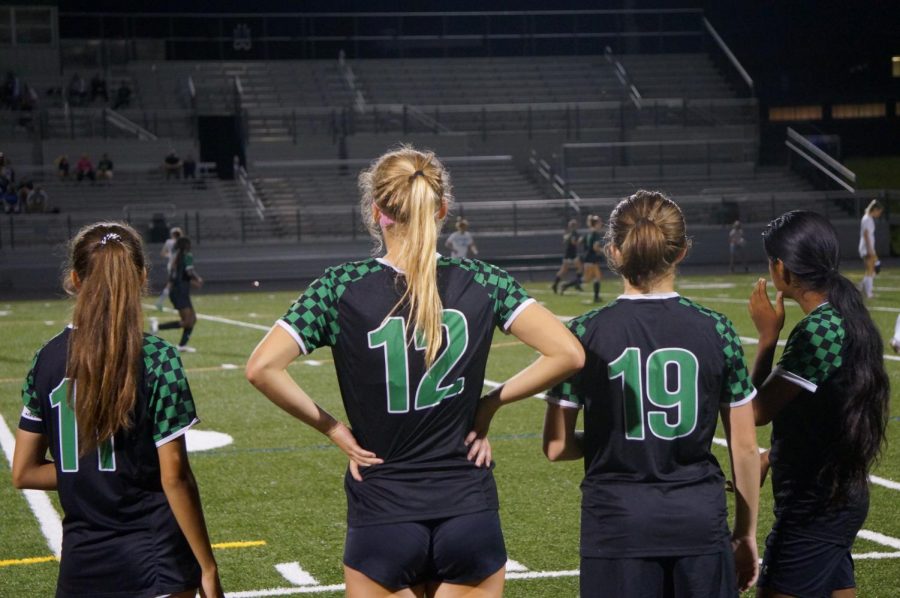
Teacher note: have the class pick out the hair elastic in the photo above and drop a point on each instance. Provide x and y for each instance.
(110, 237)
(385, 220)
(415, 174)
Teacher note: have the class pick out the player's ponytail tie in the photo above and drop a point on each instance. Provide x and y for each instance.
(413, 176)
(110, 237)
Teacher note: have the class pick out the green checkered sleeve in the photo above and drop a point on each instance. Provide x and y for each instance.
(188, 261)
(507, 294)
(171, 403)
(569, 393)
(30, 400)
(813, 350)
(312, 319)
(738, 386)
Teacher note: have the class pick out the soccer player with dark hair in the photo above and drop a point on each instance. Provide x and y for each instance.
(827, 399)
(112, 405)
(410, 334)
(658, 371)
(182, 276)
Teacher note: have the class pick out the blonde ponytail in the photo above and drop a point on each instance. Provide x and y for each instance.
(412, 188)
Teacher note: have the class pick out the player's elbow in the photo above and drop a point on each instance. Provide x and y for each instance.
(573, 356)
(255, 371)
(19, 477)
(556, 450)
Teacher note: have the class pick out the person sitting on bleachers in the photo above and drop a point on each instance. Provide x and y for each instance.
(37, 201)
(123, 96)
(85, 168)
(62, 167)
(172, 165)
(77, 90)
(10, 200)
(189, 167)
(105, 168)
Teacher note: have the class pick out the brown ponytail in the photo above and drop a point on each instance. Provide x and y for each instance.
(648, 231)
(410, 187)
(104, 358)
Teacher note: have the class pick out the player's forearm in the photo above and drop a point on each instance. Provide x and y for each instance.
(546, 371)
(278, 386)
(36, 476)
(762, 365)
(745, 463)
(184, 498)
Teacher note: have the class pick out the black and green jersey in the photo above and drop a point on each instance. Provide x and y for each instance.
(571, 242)
(805, 431)
(658, 369)
(182, 270)
(416, 420)
(119, 534)
(591, 241)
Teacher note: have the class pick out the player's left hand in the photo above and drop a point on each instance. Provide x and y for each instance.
(768, 318)
(479, 450)
(746, 561)
(346, 441)
(476, 440)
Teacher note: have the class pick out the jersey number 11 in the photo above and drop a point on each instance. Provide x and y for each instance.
(67, 429)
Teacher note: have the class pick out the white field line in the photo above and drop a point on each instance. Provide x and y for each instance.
(295, 574)
(216, 319)
(515, 566)
(888, 541)
(38, 501)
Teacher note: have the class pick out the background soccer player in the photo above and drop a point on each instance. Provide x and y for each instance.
(591, 256)
(410, 334)
(571, 240)
(659, 369)
(181, 277)
(113, 406)
(828, 401)
(867, 246)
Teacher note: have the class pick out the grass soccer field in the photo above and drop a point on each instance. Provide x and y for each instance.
(274, 497)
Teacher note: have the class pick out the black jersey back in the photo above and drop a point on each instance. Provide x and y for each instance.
(657, 370)
(415, 420)
(591, 241)
(120, 537)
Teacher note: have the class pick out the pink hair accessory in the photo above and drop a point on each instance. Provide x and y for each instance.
(384, 220)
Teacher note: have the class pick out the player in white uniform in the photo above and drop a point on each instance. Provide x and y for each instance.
(867, 246)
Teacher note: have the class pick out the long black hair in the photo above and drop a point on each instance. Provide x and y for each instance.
(181, 249)
(807, 244)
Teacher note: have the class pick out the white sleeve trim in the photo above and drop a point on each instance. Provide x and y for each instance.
(743, 401)
(518, 311)
(27, 414)
(564, 403)
(794, 378)
(175, 435)
(290, 330)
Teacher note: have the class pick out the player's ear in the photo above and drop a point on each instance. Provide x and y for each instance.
(76, 282)
(612, 251)
(376, 214)
(442, 211)
(680, 256)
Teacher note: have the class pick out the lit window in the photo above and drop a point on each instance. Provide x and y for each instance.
(791, 113)
(842, 111)
(895, 66)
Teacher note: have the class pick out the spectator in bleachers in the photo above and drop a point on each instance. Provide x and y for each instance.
(189, 167)
(123, 96)
(172, 165)
(98, 88)
(12, 91)
(7, 175)
(105, 168)
(37, 201)
(62, 167)
(462, 240)
(11, 201)
(85, 169)
(77, 90)
(25, 187)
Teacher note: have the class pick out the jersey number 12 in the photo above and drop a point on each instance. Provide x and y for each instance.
(68, 434)
(678, 394)
(432, 389)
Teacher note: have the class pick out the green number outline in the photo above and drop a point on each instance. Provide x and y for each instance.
(67, 430)
(629, 362)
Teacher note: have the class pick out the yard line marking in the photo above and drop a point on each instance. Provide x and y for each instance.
(38, 501)
(877, 555)
(218, 319)
(515, 566)
(882, 539)
(295, 574)
(244, 544)
(28, 561)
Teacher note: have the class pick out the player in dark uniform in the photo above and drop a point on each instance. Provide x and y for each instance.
(181, 277)
(659, 369)
(421, 516)
(827, 399)
(591, 256)
(133, 523)
(571, 242)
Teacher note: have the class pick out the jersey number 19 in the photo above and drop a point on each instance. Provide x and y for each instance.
(432, 389)
(678, 394)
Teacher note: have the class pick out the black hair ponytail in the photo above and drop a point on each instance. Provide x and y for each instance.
(806, 243)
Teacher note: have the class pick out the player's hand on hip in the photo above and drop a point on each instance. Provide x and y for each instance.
(746, 561)
(768, 318)
(359, 457)
(476, 439)
(479, 450)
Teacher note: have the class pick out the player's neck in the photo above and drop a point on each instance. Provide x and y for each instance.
(808, 300)
(664, 284)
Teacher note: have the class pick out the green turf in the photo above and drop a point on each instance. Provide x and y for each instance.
(280, 482)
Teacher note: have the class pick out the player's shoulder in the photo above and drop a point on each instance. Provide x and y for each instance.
(720, 321)
(159, 354)
(353, 271)
(483, 272)
(55, 349)
(579, 325)
(822, 320)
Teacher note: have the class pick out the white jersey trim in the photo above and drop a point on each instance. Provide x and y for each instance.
(27, 414)
(671, 295)
(516, 313)
(743, 401)
(175, 435)
(564, 403)
(794, 378)
(290, 330)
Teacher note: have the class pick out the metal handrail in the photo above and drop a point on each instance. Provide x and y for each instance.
(811, 148)
(734, 61)
(624, 78)
(250, 192)
(129, 126)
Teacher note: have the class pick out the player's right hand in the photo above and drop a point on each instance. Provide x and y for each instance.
(746, 561)
(768, 318)
(359, 457)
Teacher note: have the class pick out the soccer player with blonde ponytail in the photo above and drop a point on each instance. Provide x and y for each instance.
(410, 333)
(112, 406)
